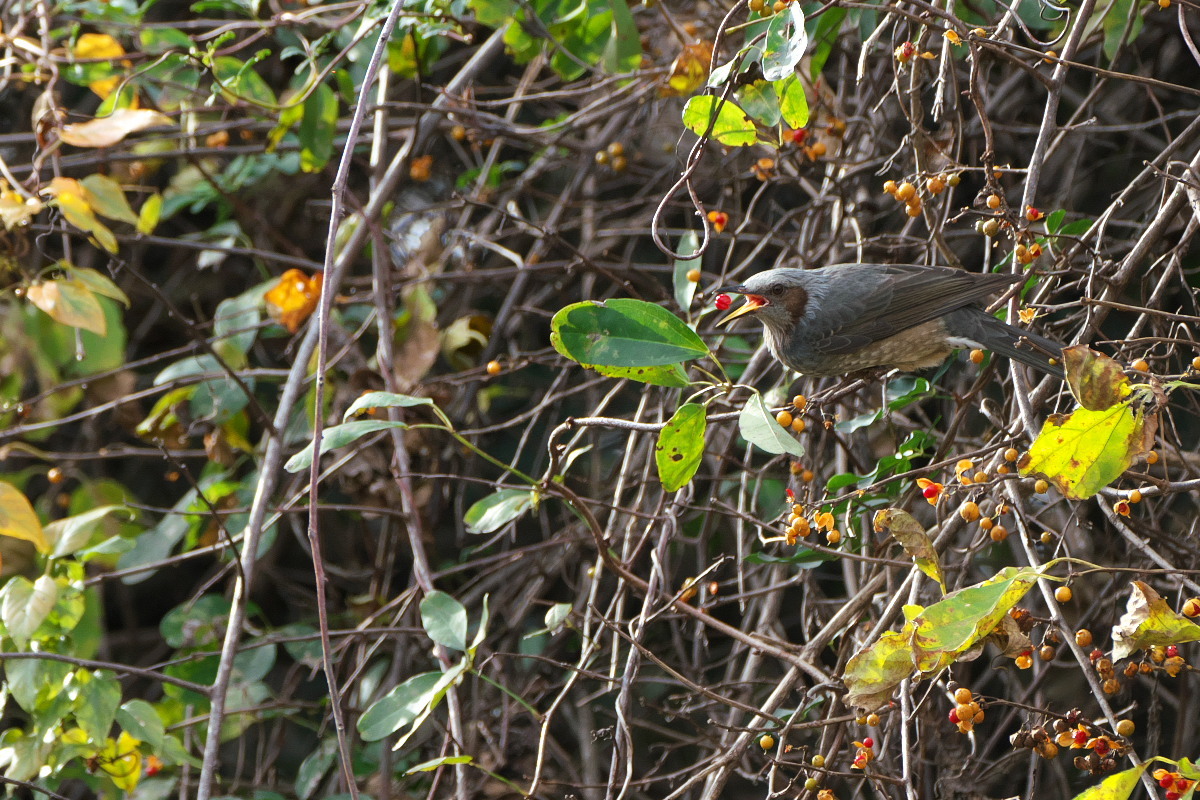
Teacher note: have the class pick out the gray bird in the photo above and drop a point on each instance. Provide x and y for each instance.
(848, 317)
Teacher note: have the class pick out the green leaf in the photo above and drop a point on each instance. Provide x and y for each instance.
(445, 620)
(825, 36)
(339, 436)
(671, 375)
(431, 765)
(318, 128)
(498, 509)
(143, 722)
(730, 125)
(624, 333)
(314, 767)
(757, 425)
(799, 559)
(685, 290)
(108, 199)
(761, 102)
(793, 103)
(24, 606)
(384, 400)
(239, 82)
(99, 284)
(680, 446)
(71, 533)
(96, 697)
(399, 707)
(787, 39)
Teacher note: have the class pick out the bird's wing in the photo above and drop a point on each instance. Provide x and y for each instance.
(903, 297)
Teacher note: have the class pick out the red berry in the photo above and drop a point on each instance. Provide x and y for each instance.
(723, 302)
(868, 742)
(1172, 651)
(1172, 795)
(954, 715)
(1080, 737)
(1167, 781)
(930, 492)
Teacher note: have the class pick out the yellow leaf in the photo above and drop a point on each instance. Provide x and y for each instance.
(98, 45)
(122, 761)
(71, 197)
(107, 198)
(689, 70)
(149, 215)
(294, 298)
(1097, 382)
(107, 131)
(18, 519)
(16, 210)
(875, 671)
(69, 302)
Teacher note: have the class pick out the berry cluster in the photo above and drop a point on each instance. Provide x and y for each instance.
(967, 711)
(1175, 784)
(906, 192)
(1076, 733)
(800, 526)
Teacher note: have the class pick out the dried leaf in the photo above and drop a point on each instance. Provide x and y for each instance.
(107, 131)
(291, 301)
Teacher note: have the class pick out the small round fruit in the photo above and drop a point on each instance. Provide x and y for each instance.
(693, 275)
(980, 477)
(799, 402)
(1047, 537)
(868, 742)
(798, 425)
(954, 179)
(976, 356)
(1011, 454)
(807, 476)
(1191, 607)
(833, 537)
(963, 695)
(601, 157)
(969, 511)
(993, 201)
(905, 192)
(998, 533)
(873, 720)
(811, 784)
(1046, 652)
(1125, 727)
(1083, 637)
(817, 150)
(1140, 365)
(991, 228)
(619, 163)
(55, 475)
(493, 368)
(1023, 661)
(1172, 650)
(458, 133)
(1196, 362)
(766, 741)
(890, 187)
(913, 209)
(1041, 486)
(616, 149)
(1063, 594)
(723, 302)
(987, 523)
(935, 185)
(818, 761)
(784, 418)
(1152, 457)
(1135, 496)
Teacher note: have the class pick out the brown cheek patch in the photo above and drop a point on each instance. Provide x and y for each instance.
(795, 300)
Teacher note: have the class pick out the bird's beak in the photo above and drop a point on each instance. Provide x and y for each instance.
(753, 303)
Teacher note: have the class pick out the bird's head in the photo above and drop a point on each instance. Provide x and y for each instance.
(778, 297)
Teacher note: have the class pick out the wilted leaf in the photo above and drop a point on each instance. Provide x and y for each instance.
(107, 198)
(97, 282)
(72, 199)
(107, 131)
(757, 425)
(689, 70)
(1097, 381)
(150, 213)
(624, 333)
(905, 529)
(874, 672)
(498, 509)
(293, 299)
(69, 302)
(18, 519)
(730, 127)
(680, 446)
(16, 210)
(1149, 622)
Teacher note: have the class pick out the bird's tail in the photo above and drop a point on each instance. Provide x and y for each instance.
(984, 330)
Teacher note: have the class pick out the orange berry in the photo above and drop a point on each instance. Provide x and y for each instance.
(1140, 365)
(1041, 486)
(833, 537)
(798, 425)
(807, 476)
(817, 150)
(619, 163)
(55, 475)
(1063, 594)
(1125, 727)
(1024, 661)
(1152, 457)
(1196, 362)
(913, 209)
(1135, 496)
(993, 201)
(905, 192)
(987, 523)
(784, 418)
(493, 368)
(616, 149)
(1191, 607)
(935, 185)
(799, 402)
(693, 275)
(963, 695)
(1011, 454)
(1083, 637)
(890, 188)
(980, 477)
(998, 533)
(976, 356)
(766, 741)
(458, 133)
(969, 511)
(601, 157)
(1046, 652)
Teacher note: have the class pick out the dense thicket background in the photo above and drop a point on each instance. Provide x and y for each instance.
(505, 169)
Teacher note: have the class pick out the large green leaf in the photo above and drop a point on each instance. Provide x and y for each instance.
(624, 333)
(445, 620)
(757, 425)
(399, 707)
(680, 446)
(730, 125)
(339, 436)
(498, 509)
